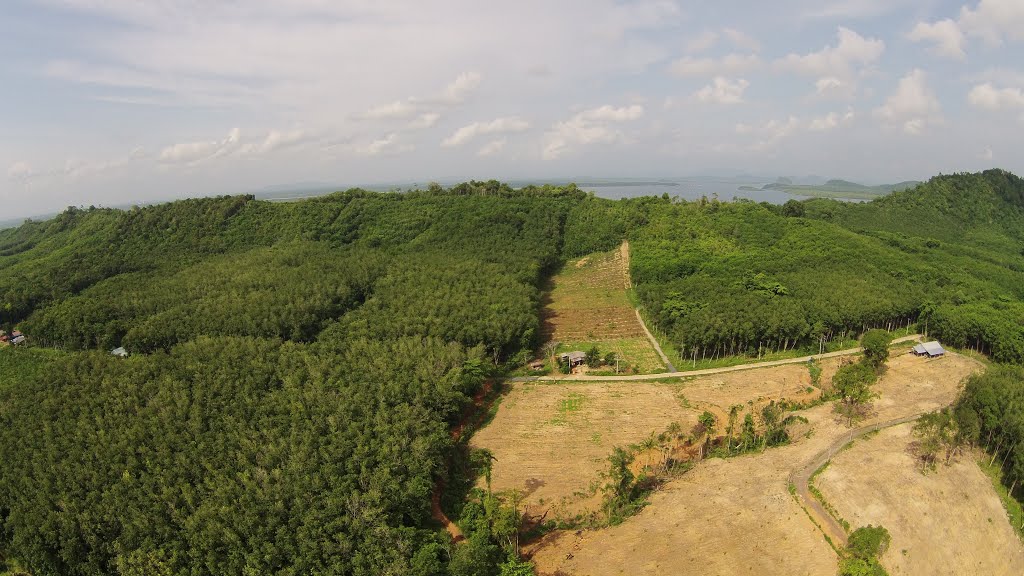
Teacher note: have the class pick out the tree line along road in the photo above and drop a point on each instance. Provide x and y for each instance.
(703, 372)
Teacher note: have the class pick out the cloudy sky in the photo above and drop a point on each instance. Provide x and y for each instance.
(120, 101)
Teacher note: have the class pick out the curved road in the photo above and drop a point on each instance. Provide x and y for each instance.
(801, 478)
(703, 372)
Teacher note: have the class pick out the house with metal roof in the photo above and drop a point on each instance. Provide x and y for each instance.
(575, 358)
(120, 351)
(930, 349)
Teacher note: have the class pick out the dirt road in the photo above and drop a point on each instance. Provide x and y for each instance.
(734, 515)
(801, 478)
(706, 371)
(629, 284)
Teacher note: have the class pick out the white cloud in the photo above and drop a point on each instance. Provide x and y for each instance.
(389, 145)
(594, 126)
(392, 111)
(770, 133)
(461, 87)
(742, 40)
(850, 56)
(854, 9)
(831, 121)
(991, 98)
(492, 148)
(723, 91)
(708, 38)
(701, 42)
(730, 65)
(994, 20)
(913, 105)
(20, 172)
(945, 34)
(424, 107)
(986, 154)
(72, 169)
(190, 153)
(830, 85)
(424, 121)
(194, 152)
(612, 114)
(767, 136)
(275, 140)
(496, 126)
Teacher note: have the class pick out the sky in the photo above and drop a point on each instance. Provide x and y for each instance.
(116, 102)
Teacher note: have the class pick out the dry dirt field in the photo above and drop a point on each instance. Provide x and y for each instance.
(946, 522)
(551, 439)
(732, 516)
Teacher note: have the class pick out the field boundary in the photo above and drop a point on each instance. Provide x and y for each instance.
(650, 337)
(702, 372)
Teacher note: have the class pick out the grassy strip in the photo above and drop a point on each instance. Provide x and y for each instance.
(792, 492)
(1014, 510)
(821, 497)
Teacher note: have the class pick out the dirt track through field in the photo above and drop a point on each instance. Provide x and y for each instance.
(736, 516)
(624, 249)
(801, 478)
(946, 521)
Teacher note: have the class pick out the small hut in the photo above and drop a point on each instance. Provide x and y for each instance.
(929, 349)
(575, 358)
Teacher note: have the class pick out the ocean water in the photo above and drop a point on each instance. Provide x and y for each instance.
(689, 190)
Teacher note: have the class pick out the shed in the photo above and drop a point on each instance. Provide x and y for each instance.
(120, 351)
(19, 339)
(933, 349)
(575, 358)
(919, 350)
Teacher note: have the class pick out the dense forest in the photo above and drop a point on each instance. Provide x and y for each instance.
(731, 278)
(297, 369)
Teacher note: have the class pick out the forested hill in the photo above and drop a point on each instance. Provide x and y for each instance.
(742, 277)
(295, 371)
(296, 368)
(945, 207)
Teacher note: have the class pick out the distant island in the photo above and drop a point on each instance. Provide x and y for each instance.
(839, 189)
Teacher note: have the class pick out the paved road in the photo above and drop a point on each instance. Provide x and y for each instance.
(704, 372)
(801, 478)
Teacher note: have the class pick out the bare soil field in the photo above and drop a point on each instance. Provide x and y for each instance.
(551, 439)
(736, 516)
(946, 522)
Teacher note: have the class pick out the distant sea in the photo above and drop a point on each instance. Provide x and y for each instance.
(688, 189)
